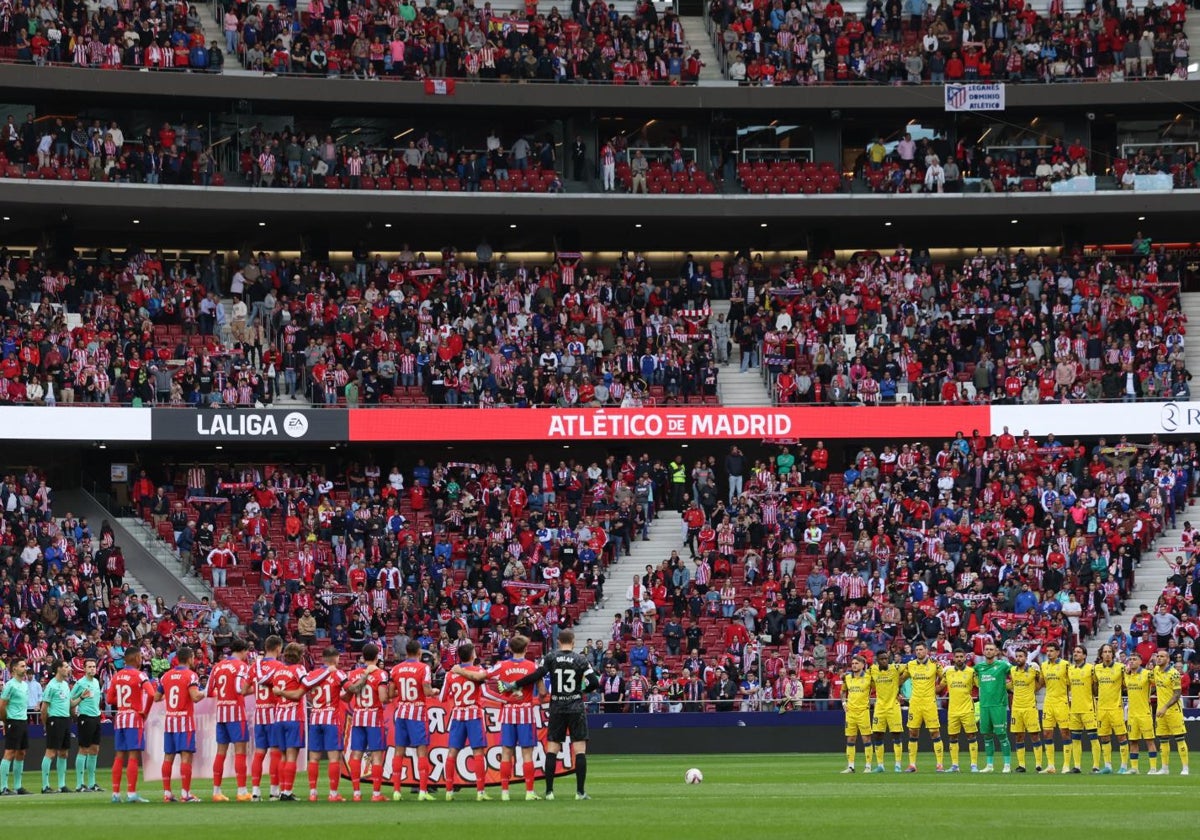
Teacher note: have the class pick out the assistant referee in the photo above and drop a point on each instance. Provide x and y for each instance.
(56, 713)
(14, 718)
(85, 703)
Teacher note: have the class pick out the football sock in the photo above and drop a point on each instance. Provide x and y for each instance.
(1005, 747)
(185, 774)
(912, 751)
(131, 774)
(376, 777)
(355, 767)
(1020, 753)
(335, 775)
(526, 769)
(273, 769)
(450, 768)
(46, 762)
(506, 768)
(314, 768)
(218, 773)
(551, 767)
(989, 749)
(256, 769)
(1037, 754)
(287, 776)
(1106, 752)
(973, 748)
(60, 765)
(80, 770)
(1095, 749)
(581, 772)
(424, 771)
(954, 751)
(480, 771)
(1164, 749)
(167, 766)
(118, 770)
(938, 750)
(851, 751)
(1077, 750)
(239, 771)
(1124, 750)
(5, 769)
(397, 767)
(1133, 759)
(1153, 756)
(1182, 746)
(898, 748)
(18, 769)
(91, 769)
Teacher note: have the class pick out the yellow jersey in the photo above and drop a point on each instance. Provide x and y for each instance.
(960, 684)
(1054, 677)
(1024, 687)
(1083, 680)
(856, 691)
(887, 685)
(1109, 679)
(1137, 687)
(924, 678)
(1166, 683)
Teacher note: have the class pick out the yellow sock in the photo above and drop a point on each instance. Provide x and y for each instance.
(851, 750)
(938, 750)
(898, 747)
(954, 752)
(1037, 756)
(1164, 753)
(1049, 747)
(1153, 756)
(974, 749)
(1021, 754)
(1106, 752)
(912, 752)
(1077, 753)
(1096, 750)
(1183, 752)
(1124, 754)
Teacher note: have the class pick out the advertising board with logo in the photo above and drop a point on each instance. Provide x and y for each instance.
(248, 425)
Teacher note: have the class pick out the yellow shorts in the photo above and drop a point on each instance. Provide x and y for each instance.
(961, 722)
(858, 723)
(1056, 716)
(1025, 720)
(1110, 722)
(1141, 727)
(1170, 725)
(887, 720)
(923, 715)
(1081, 721)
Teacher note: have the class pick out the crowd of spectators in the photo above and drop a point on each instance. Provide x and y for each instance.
(797, 42)
(1010, 327)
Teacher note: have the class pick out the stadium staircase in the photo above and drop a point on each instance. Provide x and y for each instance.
(696, 32)
(1189, 302)
(666, 535)
(735, 387)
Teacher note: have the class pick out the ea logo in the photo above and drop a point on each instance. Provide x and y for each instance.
(1170, 417)
(295, 425)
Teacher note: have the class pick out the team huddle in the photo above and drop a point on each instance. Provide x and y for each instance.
(1084, 702)
(296, 707)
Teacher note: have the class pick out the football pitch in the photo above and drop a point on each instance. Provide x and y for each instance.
(742, 796)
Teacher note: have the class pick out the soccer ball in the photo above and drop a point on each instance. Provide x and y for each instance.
(693, 777)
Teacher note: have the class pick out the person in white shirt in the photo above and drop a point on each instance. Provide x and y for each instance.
(935, 176)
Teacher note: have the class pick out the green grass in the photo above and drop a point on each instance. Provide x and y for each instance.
(742, 796)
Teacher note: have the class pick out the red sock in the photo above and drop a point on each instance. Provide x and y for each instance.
(218, 770)
(273, 767)
(131, 774)
(256, 767)
(313, 769)
(506, 767)
(239, 770)
(118, 770)
(287, 777)
(397, 768)
(377, 777)
(335, 775)
(480, 772)
(186, 772)
(356, 774)
(167, 766)
(423, 769)
(450, 761)
(527, 773)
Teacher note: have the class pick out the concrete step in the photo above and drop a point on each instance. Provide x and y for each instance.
(698, 39)
(735, 386)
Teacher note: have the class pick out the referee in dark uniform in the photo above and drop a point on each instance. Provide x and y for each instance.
(571, 678)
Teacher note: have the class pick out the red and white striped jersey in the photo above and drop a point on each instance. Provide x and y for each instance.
(409, 680)
(325, 695)
(519, 705)
(366, 707)
(464, 694)
(177, 685)
(264, 700)
(131, 692)
(288, 678)
(226, 683)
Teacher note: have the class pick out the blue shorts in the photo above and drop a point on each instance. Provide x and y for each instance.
(262, 736)
(232, 733)
(411, 733)
(518, 735)
(129, 740)
(179, 742)
(367, 739)
(463, 732)
(323, 737)
(290, 735)
(276, 737)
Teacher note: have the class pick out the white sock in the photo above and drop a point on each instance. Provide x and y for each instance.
(256, 791)
(274, 790)
(241, 791)
(216, 791)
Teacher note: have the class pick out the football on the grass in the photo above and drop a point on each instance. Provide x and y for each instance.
(693, 777)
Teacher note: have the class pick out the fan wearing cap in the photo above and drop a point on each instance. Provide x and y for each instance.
(856, 701)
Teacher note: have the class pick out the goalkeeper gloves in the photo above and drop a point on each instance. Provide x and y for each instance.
(505, 687)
